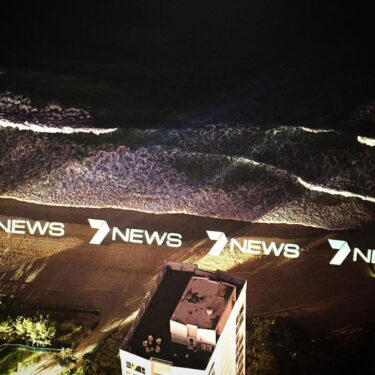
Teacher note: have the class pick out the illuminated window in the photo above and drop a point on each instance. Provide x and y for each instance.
(240, 342)
(135, 368)
(240, 314)
(212, 370)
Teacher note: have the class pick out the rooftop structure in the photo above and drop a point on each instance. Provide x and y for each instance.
(204, 302)
(180, 326)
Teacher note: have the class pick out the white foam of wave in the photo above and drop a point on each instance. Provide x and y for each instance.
(309, 186)
(330, 191)
(283, 214)
(262, 220)
(53, 130)
(267, 219)
(311, 130)
(366, 141)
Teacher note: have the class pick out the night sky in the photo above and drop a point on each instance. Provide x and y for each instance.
(168, 28)
(189, 53)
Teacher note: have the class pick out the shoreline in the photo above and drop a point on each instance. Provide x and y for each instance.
(17, 201)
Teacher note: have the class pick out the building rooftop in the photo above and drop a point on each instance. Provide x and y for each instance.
(203, 302)
(156, 319)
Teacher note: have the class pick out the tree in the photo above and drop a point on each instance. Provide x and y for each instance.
(6, 329)
(35, 331)
(259, 357)
(66, 356)
(20, 326)
(40, 332)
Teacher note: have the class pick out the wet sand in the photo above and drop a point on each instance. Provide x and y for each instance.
(69, 273)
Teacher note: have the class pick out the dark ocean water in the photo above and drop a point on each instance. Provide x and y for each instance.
(276, 174)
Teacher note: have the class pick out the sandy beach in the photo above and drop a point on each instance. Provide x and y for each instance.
(69, 273)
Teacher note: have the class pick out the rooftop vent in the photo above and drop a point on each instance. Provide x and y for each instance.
(209, 311)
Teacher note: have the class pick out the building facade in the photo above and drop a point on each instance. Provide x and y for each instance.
(193, 323)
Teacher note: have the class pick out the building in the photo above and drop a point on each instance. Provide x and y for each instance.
(192, 323)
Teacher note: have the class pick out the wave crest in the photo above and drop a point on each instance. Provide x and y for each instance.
(226, 171)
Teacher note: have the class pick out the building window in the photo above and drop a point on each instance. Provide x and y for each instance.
(212, 369)
(240, 314)
(135, 368)
(240, 341)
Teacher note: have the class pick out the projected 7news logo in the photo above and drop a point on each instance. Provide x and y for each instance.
(249, 246)
(344, 250)
(132, 235)
(288, 250)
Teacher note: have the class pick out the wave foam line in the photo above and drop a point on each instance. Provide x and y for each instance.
(309, 186)
(343, 193)
(305, 184)
(160, 212)
(366, 141)
(46, 129)
(311, 130)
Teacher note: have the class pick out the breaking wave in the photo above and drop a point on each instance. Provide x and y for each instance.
(312, 130)
(366, 141)
(343, 193)
(284, 174)
(273, 175)
(17, 112)
(50, 129)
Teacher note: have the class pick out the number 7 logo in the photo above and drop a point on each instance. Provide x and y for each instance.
(221, 241)
(343, 251)
(103, 230)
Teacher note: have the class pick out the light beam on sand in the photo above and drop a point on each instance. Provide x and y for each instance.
(366, 141)
(53, 130)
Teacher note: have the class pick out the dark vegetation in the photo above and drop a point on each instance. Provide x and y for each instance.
(12, 361)
(277, 346)
(105, 361)
(39, 328)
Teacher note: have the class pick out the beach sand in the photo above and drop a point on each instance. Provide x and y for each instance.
(69, 273)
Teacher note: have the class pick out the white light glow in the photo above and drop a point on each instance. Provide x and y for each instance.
(343, 193)
(49, 129)
(310, 130)
(366, 141)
